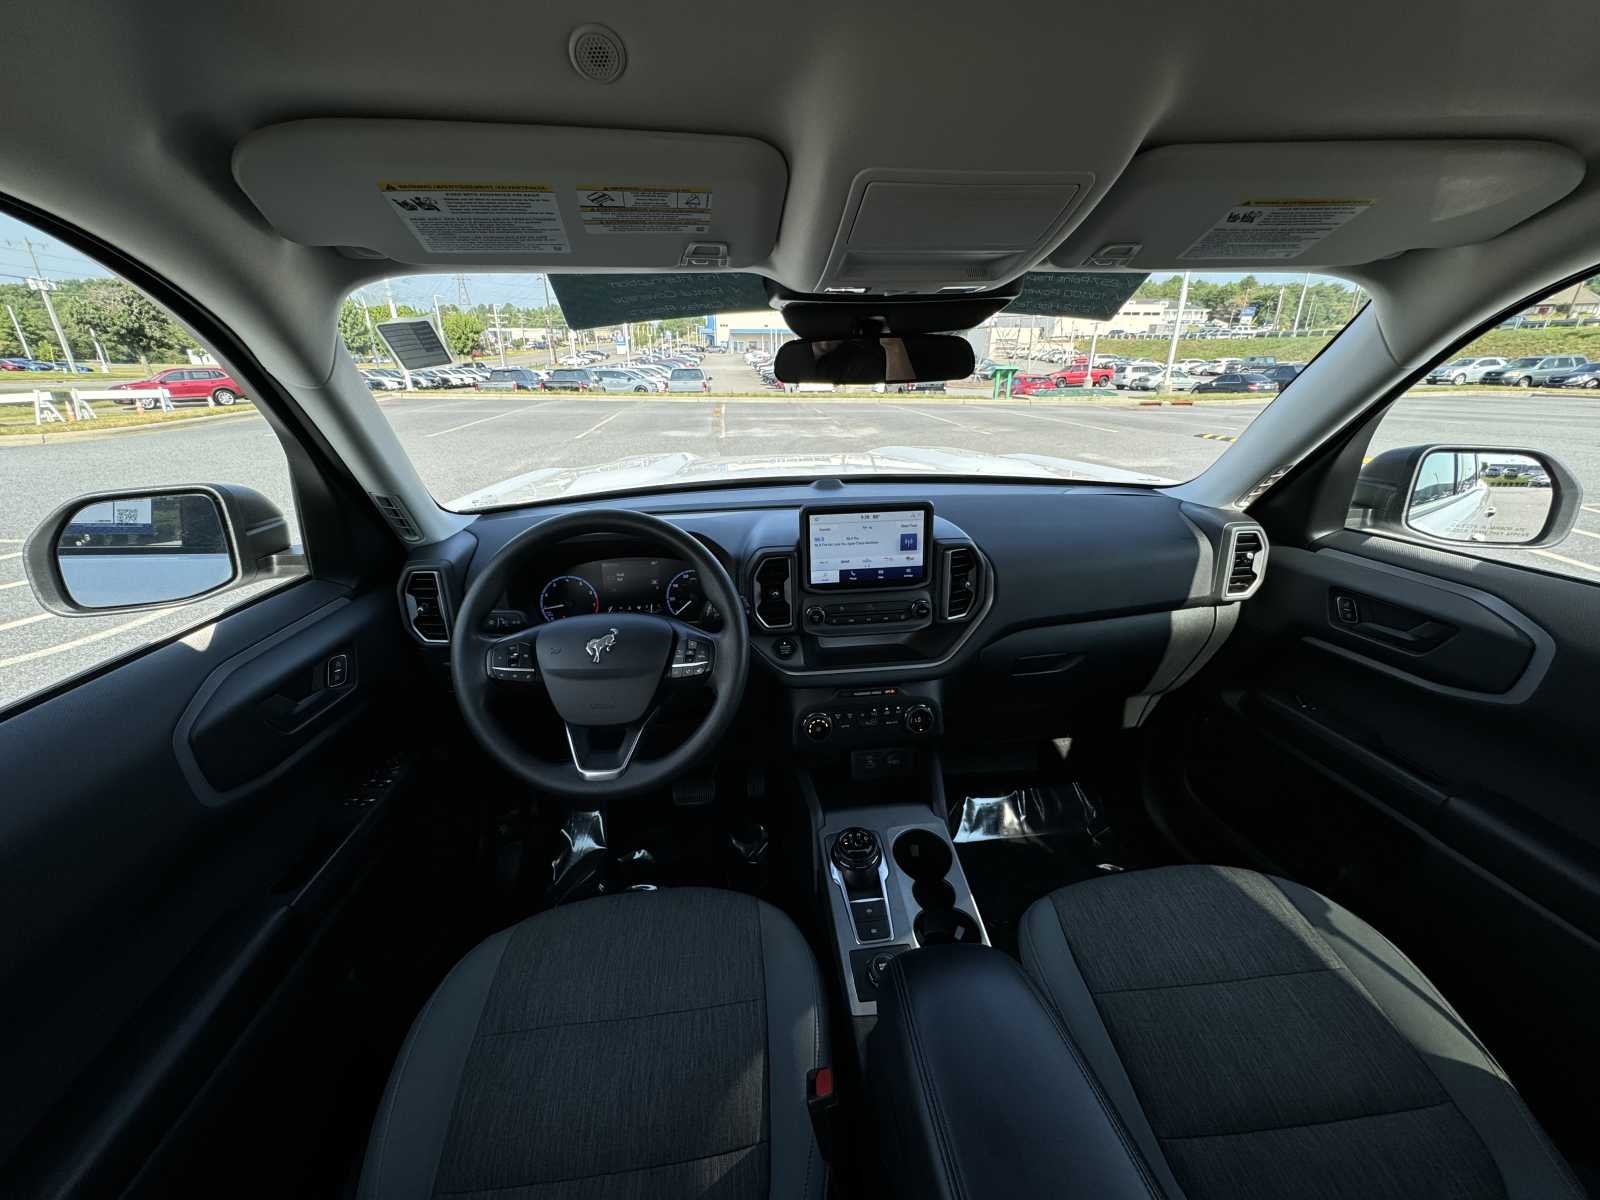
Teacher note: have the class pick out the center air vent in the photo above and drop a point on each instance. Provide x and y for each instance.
(960, 582)
(1246, 556)
(774, 606)
(425, 607)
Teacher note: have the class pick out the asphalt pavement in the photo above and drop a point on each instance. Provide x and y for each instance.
(461, 442)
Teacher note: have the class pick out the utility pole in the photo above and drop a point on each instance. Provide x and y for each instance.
(17, 325)
(500, 342)
(1177, 329)
(549, 342)
(1305, 284)
(1088, 370)
(44, 287)
(100, 351)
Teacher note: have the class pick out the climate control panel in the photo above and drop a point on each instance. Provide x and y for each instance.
(869, 716)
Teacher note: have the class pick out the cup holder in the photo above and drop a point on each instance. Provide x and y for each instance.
(933, 893)
(943, 927)
(923, 855)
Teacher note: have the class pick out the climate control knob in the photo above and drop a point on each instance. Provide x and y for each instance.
(815, 615)
(919, 718)
(920, 608)
(817, 726)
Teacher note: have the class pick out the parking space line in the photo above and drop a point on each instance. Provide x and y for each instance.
(1586, 533)
(21, 621)
(86, 639)
(3, 557)
(1062, 421)
(602, 421)
(482, 420)
(1560, 558)
(936, 417)
(18, 583)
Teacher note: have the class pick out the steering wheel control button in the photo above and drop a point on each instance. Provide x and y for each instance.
(691, 657)
(512, 662)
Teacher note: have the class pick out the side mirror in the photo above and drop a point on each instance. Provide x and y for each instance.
(112, 552)
(1468, 495)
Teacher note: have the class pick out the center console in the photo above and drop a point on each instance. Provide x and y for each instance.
(894, 883)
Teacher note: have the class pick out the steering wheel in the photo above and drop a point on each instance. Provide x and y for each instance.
(607, 674)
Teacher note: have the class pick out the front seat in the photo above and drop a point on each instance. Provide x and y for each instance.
(640, 1045)
(1259, 1042)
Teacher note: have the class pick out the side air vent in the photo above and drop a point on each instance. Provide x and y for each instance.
(425, 605)
(1246, 556)
(399, 519)
(960, 582)
(774, 600)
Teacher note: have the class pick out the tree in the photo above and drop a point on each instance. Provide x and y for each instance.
(462, 332)
(353, 328)
(129, 324)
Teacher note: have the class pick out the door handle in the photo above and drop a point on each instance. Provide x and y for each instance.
(1380, 621)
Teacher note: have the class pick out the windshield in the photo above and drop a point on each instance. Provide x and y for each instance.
(693, 400)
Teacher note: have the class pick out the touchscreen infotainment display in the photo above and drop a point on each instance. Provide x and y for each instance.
(867, 548)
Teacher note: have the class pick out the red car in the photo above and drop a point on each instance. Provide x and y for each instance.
(187, 385)
(1035, 385)
(1073, 376)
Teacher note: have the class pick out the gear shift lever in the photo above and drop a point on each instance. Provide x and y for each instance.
(856, 853)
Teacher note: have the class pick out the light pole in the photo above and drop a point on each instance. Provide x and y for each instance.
(1177, 328)
(44, 287)
(500, 342)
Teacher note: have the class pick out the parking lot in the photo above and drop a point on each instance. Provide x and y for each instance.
(462, 441)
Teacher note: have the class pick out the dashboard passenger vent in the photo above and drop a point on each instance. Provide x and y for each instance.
(774, 603)
(1246, 554)
(960, 583)
(399, 519)
(426, 614)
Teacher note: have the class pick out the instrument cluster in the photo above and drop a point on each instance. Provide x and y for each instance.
(668, 586)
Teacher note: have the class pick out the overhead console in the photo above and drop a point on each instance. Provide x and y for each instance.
(1324, 204)
(454, 193)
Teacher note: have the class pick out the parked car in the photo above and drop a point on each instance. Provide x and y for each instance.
(1236, 381)
(571, 379)
(1461, 371)
(1155, 381)
(1586, 376)
(930, 385)
(383, 383)
(615, 379)
(689, 379)
(1128, 371)
(1034, 385)
(1074, 376)
(186, 385)
(1282, 374)
(1532, 370)
(512, 379)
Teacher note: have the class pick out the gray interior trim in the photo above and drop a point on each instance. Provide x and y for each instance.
(1544, 646)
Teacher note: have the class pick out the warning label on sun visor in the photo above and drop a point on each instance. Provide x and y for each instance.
(480, 218)
(629, 208)
(1274, 228)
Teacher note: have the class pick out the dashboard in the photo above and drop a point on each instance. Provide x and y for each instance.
(885, 610)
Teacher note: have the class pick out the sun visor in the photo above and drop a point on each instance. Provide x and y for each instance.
(589, 301)
(1313, 204)
(463, 195)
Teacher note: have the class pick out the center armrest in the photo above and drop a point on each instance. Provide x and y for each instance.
(980, 1093)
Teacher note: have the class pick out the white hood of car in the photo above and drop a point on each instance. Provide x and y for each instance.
(662, 470)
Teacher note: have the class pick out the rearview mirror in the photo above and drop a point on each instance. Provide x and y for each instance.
(1469, 495)
(128, 551)
(917, 358)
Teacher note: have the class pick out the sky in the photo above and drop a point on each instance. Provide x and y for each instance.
(524, 289)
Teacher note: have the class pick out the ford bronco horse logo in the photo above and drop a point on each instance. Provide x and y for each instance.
(595, 647)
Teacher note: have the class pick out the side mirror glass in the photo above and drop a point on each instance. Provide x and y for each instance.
(139, 550)
(1469, 495)
(127, 551)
